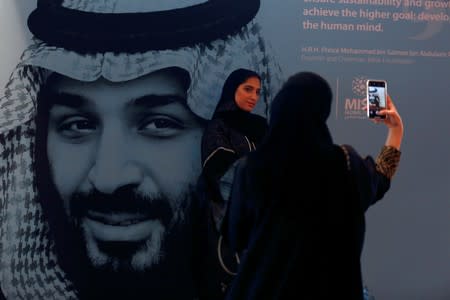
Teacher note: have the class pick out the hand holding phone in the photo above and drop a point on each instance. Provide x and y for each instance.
(393, 122)
(376, 97)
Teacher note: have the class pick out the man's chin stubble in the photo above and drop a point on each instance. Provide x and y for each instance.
(125, 256)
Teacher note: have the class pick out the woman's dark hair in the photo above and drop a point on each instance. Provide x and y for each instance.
(236, 78)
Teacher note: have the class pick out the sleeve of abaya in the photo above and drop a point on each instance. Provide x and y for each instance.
(388, 160)
(217, 151)
(371, 184)
(239, 218)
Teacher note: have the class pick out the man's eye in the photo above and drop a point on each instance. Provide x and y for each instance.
(76, 127)
(161, 126)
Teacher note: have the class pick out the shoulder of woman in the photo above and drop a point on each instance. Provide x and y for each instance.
(215, 124)
(349, 153)
(348, 149)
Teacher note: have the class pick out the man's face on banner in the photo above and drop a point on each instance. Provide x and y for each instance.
(124, 158)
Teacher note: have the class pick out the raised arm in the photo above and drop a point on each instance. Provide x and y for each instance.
(389, 157)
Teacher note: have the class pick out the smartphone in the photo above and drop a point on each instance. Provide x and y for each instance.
(376, 97)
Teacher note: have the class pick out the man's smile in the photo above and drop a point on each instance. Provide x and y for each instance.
(119, 226)
(118, 219)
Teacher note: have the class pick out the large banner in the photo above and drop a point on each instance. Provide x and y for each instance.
(103, 105)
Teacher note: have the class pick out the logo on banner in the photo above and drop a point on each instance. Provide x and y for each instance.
(355, 105)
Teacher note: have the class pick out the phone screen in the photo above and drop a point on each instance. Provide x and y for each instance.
(376, 97)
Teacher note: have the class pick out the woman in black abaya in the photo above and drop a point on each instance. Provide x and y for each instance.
(232, 133)
(297, 203)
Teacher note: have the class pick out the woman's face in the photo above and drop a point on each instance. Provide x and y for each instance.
(247, 93)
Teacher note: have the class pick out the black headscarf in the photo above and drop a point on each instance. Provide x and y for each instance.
(298, 136)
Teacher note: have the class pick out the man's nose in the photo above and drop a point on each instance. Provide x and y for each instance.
(114, 166)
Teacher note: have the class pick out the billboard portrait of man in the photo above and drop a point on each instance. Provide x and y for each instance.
(101, 123)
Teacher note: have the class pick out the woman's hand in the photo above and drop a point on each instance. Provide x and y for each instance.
(394, 122)
(393, 119)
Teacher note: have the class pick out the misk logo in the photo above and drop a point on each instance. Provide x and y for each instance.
(355, 104)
